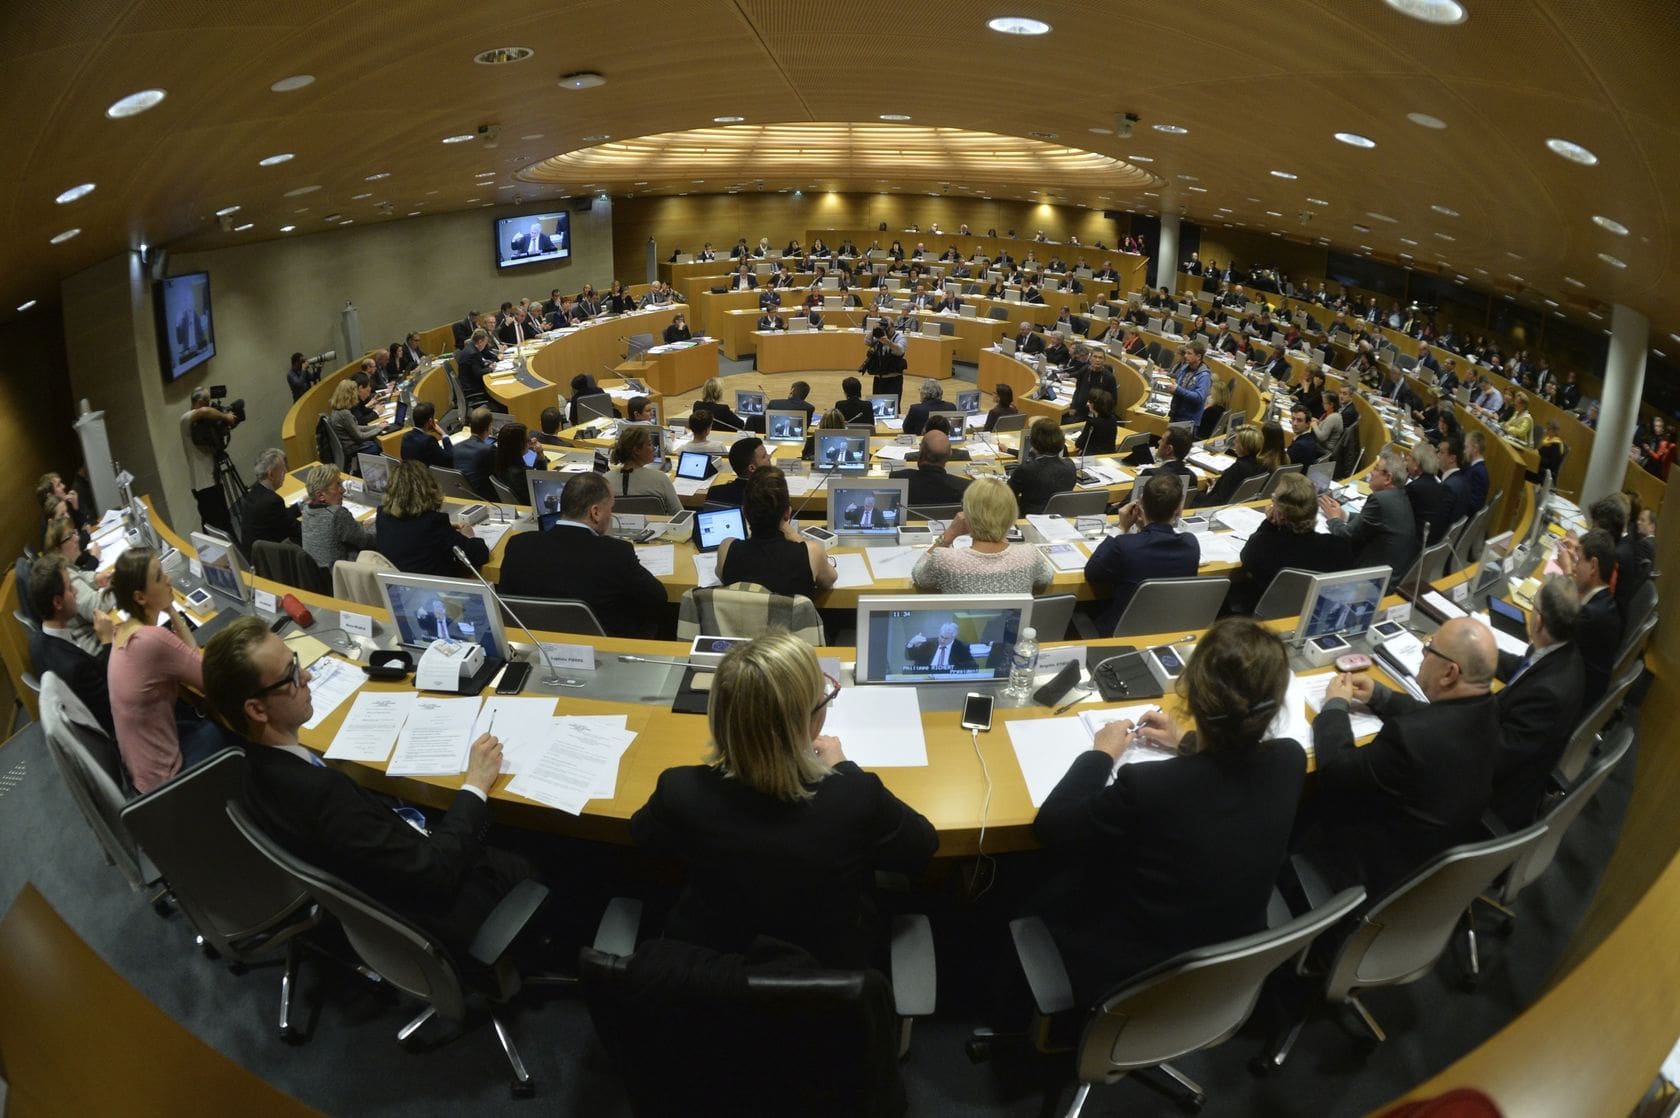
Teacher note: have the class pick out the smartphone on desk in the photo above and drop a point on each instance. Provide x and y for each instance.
(977, 711)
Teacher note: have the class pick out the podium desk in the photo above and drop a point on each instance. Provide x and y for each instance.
(680, 367)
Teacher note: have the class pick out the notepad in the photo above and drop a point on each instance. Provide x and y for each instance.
(1045, 748)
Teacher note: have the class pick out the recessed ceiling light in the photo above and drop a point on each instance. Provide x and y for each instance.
(1018, 25)
(1443, 12)
(1140, 159)
(135, 103)
(1406, 256)
(1382, 217)
(458, 138)
(299, 191)
(359, 197)
(26, 305)
(1100, 131)
(1446, 237)
(1283, 175)
(242, 228)
(1611, 260)
(1551, 302)
(227, 210)
(1573, 282)
(1595, 314)
(895, 116)
(1407, 241)
(501, 56)
(1171, 129)
(1198, 189)
(1189, 178)
(1427, 121)
(1318, 202)
(376, 176)
(1599, 220)
(1572, 151)
(295, 82)
(595, 139)
(1676, 337)
(485, 175)
(585, 79)
(348, 221)
(1514, 277)
(275, 160)
(1445, 211)
(1224, 209)
(1273, 213)
(728, 119)
(413, 213)
(86, 188)
(1356, 140)
(288, 228)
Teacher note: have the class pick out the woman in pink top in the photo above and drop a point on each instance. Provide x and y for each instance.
(148, 666)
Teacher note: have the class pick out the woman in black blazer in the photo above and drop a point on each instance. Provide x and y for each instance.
(1245, 445)
(1180, 853)
(412, 531)
(781, 834)
(1100, 428)
(1288, 537)
(723, 416)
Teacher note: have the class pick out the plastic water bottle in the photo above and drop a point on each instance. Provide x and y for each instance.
(1022, 665)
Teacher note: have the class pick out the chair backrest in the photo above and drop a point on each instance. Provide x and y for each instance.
(326, 434)
(1398, 939)
(931, 512)
(1249, 489)
(91, 768)
(358, 581)
(20, 571)
(591, 408)
(288, 563)
(1090, 502)
(1278, 475)
(227, 888)
(1431, 564)
(1455, 532)
(643, 505)
(22, 618)
(398, 951)
(1533, 863)
(1285, 596)
(1592, 723)
(1641, 608)
(1197, 999)
(553, 615)
(1008, 423)
(1475, 535)
(745, 609)
(1348, 454)
(503, 493)
(1052, 614)
(675, 1018)
(1173, 605)
(454, 483)
(1633, 645)
(1132, 442)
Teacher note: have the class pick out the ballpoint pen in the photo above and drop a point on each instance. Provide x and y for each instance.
(1065, 707)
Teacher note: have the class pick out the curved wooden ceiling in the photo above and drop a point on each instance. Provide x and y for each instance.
(1257, 88)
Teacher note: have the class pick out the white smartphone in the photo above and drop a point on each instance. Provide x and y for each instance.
(977, 711)
(821, 535)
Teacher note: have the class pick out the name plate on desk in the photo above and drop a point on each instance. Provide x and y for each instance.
(571, 657)
(356, 624)
(266, 602)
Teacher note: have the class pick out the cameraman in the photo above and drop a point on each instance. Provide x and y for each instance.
(297, 377)
(204, 432)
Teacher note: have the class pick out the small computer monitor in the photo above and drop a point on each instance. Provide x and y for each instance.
(938, 638)
(1322, 475)
(223, 569)
(841, 449)
(376, 473)
(749, 403)
(1344, 602)
(969, 401)
(958, 422)
(426, 609)
(141, 531)
(713, 526)
(785, 426)
(874, 507)
(546, 487)
(886, 407)
(695, 465)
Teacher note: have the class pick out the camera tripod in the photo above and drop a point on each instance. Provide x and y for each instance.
(228, 481)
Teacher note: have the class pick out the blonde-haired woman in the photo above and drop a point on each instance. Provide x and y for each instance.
(637, 475)
(780, 832)
(356, 438)
(993, 565)
(1246, 445)
(723, 416)
(414, 533)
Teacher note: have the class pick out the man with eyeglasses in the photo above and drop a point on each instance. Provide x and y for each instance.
(444, 877)
(1423, 783)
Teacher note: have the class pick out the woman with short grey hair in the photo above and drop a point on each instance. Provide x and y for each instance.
(330, 531)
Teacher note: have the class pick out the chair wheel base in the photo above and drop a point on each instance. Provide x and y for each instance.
(1262, 1066)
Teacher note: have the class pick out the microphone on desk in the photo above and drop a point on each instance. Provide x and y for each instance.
(828, 473)
(553, 678)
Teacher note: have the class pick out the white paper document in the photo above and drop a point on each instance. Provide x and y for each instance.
(705, 570)
(1138, 752)
(1219, 547)
(1065, 556)
(491, 531)
(371, 726)
(688, 486)
(567, 772)
(435, 739)
(1216, 463)
(892, 452)
(1045, 748)
(1292, 720)
(892, 562)
(659, 559)
(522, 724)
(853, 571)
(879, 727)
(1364, 722)
(331, 681)
(1054, 529)
(1241, 519)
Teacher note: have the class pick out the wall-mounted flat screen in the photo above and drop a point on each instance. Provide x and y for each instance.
(533, 239)
(186, 335)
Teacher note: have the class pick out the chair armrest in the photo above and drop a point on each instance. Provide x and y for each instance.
(1313, 886)
(1277, 910)
(914, 975)
(1494, 825)
(1052, 990)
(506, 921)
(616, 933)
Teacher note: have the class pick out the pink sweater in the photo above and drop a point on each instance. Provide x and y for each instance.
(144, 677)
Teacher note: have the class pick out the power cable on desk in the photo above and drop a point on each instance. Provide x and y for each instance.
(982, 859)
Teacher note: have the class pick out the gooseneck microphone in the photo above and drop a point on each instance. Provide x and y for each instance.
(553, 678)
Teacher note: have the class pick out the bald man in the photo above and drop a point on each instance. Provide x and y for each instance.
(1422, 785)
(929, 483)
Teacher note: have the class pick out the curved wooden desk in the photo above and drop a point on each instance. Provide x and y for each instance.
(828, 349)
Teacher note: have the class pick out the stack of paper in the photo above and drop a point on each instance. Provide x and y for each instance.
(331, 681)
(853, 571)
(879, 727)
(578, 763)
(520, 723)
(1065, 556)
(435, 737)
(1241, 519)
(1046, 747)
(659, 559)
(1054, 529)
(1218, 463)
(371, 726)
(1364, 722)
(1219, 547)
(705, 570)
(491, 531)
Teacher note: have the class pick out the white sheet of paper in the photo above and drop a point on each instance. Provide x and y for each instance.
(688, 486)
(1219, 547)
(892, 562)
(565, 775)
(1216, 463)
(892, 452)
(370, 728)
(611, 727)
(1044, 749)
(522, 724)
(1054, 529)
(491, 531)
(435, 739)
(1241, 519)
(1292, 720)
(1364, 722)
(331, 681)
(853, 571)
(1065, 556)
(659, 559)
(879, 727)
(705, 570)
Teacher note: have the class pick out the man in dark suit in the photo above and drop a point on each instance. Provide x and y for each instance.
(475, 455)
(942, 653)
(795, 401)
(517, 327)
(75, 653)
(1028, 339)
(1383, 533)
(1168, 457)
(1449, 453)
(426, 440)
(929, 483)
(1303, 449)
(746, 457)
(472, 361)
(1384, 810)
(444, 878)
(532, 242)
(263, 515)
(743, 280)
(1598, 628)
(575, 559)
(769, 298)
(1277, 365)
(1123, 562)
(1475, 470)
(1540, 704)
(1430, 502)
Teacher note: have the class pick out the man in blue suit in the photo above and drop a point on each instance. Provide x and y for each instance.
(1153, 551)
(1475, 470)
(475, 455)
(1454, 481)
(426, 440)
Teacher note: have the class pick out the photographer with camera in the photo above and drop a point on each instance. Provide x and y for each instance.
(205, 430)
(884, 359)
(305, 372)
